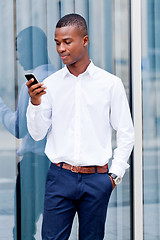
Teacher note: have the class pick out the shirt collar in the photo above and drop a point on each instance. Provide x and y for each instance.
(89, 70)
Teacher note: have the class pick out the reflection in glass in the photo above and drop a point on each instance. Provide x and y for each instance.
(32, 54)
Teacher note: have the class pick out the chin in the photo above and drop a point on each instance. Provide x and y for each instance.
(66, 62)
(69, 63)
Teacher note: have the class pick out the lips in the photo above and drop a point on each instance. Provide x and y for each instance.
(63, 56)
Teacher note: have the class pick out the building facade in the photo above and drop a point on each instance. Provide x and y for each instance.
(124, 40)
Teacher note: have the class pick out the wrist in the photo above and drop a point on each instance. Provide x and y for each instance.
(116, 179)
(35, 102)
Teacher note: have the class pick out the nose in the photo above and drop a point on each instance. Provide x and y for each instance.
(61, 48)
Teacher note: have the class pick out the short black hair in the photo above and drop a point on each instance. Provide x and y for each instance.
(73, 19)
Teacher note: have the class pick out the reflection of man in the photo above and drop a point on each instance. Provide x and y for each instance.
(77, 109)
(32, 54)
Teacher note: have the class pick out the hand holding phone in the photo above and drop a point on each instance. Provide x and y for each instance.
(30, 76)
(35, 92)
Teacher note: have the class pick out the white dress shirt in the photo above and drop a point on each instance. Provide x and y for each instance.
(78, 114)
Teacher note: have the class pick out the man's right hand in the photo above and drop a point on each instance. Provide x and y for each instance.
(35, 91)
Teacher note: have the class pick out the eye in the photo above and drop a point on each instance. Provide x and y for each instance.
(57, 43)
(68, 42)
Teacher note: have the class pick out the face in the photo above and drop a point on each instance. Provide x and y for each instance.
(70, 44)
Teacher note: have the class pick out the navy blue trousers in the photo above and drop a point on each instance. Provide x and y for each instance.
(67, 193)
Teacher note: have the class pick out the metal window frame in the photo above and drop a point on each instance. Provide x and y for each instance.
(137, 116)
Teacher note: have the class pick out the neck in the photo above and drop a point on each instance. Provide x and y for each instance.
(79, 67)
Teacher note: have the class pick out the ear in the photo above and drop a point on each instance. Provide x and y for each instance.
(85, 40)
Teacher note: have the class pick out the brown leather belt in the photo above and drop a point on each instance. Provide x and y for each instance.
(88, 169)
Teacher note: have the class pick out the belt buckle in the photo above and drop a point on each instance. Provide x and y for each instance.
(72, 169)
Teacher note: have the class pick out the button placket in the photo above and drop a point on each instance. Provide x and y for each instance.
(77, 121)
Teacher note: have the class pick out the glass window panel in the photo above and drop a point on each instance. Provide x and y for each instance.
(151, 116)
(67, 6)
(33, 56)
(7, 127)
(53, 15)
(119, 212)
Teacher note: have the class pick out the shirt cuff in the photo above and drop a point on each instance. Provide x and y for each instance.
(32, 110)
(118, 167)
(34, 107)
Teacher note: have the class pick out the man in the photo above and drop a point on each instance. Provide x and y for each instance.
(77, 107)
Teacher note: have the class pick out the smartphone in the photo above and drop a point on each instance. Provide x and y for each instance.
(31, 75)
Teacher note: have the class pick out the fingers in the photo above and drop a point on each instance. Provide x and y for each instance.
(35, 89)
(113, 184)
(29, 82)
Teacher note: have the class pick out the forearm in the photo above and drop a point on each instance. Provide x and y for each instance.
(8, 118)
